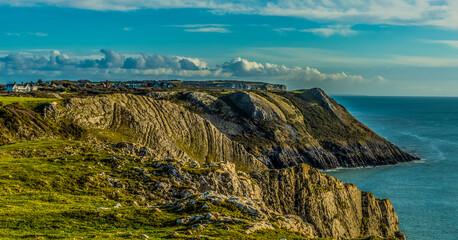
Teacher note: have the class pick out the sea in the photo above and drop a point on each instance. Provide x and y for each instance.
(424, 193)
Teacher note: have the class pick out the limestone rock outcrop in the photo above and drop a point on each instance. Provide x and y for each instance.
(258, 129)
(300, 199)
(283, 129)
(256, 107)
(333, 209)
(166, 128)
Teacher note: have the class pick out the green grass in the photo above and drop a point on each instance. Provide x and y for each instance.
(56, 197)
(51, 198)
(41, 144)
(50, 215)
(27, 102)
(122, 134)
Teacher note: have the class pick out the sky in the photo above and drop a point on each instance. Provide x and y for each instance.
(346, 47)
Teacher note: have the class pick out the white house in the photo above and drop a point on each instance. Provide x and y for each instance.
(23, 87)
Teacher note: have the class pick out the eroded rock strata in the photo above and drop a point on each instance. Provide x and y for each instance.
(300, 199)
(259, 150)
(260, 129)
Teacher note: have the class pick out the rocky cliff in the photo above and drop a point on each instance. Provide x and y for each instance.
(284, 129)
(19, 123)
(332, 209)
(260, 129)
(255, 150)
(168, 129)
(299, 199)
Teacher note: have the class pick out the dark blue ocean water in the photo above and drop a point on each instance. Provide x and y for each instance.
(424, 193)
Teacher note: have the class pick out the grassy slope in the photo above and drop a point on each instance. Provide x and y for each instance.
(52, 198)
(27, 102)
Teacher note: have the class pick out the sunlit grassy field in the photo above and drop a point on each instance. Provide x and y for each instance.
(26, 102)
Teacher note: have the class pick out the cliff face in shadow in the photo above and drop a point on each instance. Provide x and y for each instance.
(18, 123)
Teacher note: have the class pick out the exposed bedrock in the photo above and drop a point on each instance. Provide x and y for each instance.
(333, 209)
(166, 128)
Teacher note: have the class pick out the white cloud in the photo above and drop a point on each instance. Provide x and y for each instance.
(381, 79)
(112, 59)
(442, 13)
(397, 12)
(216, 28)
(201, 25)
(344, 30)
(127, 5)
(286, 29)
(208, 29)
(451, 43)
(113, 65)
(243, 68)
(58, 60)
(13, 34)
(127, 29)
(37, 34)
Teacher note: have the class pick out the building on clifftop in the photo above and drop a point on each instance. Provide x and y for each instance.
(22, 87)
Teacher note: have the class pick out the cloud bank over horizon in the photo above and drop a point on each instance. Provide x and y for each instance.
(116, 66)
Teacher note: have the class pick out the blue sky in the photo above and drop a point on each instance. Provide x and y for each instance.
(363, 47)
